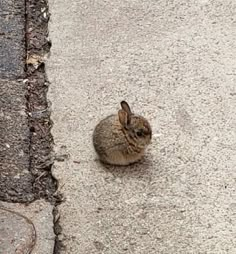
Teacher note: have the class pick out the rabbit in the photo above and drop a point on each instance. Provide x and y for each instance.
(121, 139)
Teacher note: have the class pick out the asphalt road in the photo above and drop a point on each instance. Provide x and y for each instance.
(23, 228)
(174, 62)
(15, 178)
(12, 39)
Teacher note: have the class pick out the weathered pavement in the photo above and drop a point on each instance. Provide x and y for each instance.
(14, 134)
(174, 62)
(25, 227)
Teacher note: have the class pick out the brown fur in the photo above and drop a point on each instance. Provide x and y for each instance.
(121, 139)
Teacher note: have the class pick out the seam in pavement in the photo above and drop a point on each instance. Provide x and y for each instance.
(38, 107)
(37, 18)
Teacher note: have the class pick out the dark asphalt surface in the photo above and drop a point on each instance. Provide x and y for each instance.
(12, 38)
(25, 139)
(15, 177)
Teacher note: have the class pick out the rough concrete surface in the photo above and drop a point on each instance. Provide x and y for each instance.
(174, 62)
(19, 236)
(26, 227)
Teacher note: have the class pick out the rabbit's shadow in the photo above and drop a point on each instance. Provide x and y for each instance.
(134, 170)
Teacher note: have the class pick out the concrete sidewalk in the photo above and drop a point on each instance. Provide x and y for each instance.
(26, 229)
(174, 62)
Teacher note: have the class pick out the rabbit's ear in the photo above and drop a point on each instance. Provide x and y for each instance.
(125, 107)
(124, 118)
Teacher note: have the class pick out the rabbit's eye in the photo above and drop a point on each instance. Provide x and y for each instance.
(139, 133)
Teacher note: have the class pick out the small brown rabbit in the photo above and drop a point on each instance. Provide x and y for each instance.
(121, 139)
